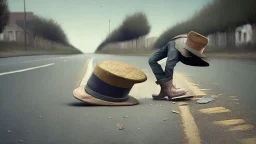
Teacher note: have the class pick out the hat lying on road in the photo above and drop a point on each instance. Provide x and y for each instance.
(110, 84)
(191, 46)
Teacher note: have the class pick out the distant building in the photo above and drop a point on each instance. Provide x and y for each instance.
(244, 34)
(15, 27)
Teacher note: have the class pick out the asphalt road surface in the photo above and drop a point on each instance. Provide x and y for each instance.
(37, 106)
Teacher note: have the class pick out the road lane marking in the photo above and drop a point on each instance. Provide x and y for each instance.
(229, 122)
(42, 60)
(244, 127)
(29, 61)
(214, 110)
(190, 127)
(192, 86)
(89, 70)
(249, 141)
(27, 69)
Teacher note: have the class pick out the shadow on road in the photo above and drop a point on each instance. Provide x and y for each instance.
(80, 104)
(175, 100)
(83, 104)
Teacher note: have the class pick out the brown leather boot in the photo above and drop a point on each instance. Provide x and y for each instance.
(170, 86)
(176, 91)
(164, 92)
(168, 90)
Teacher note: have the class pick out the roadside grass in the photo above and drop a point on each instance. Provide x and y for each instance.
(8, 49)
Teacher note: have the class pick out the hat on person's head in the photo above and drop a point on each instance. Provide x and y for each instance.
(110, 84)
(192, 46)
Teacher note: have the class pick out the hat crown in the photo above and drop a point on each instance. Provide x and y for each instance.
(196, 41)
(119, 74)
(122, 70)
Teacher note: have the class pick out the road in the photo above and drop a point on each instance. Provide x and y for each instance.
(37, 106)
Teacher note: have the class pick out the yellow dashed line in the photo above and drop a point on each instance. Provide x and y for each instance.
(190, 127)
(241, 128)
(214, 110)
(249, 141)
(229, 122)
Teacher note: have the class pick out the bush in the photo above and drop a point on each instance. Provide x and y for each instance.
(4, 14)
(133, 27)
(48, 29)
(217, 16)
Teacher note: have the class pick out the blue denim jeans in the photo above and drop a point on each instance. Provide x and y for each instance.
(172, 55)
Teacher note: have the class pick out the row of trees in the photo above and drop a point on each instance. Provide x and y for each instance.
(39, 26)
(217, 16)
(133, 27)
(49, 29)
(4, 14)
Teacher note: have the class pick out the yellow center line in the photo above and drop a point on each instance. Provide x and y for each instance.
(190, 127)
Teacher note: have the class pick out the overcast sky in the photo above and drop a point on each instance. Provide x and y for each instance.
(86, 22)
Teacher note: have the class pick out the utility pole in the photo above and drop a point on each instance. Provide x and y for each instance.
(109, 27)
(25, 26)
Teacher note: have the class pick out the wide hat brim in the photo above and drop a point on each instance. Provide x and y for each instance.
(80, 94)
(195, 61)
(192, 57)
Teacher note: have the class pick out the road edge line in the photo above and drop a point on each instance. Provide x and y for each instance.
(89, 67)
(26, 69)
